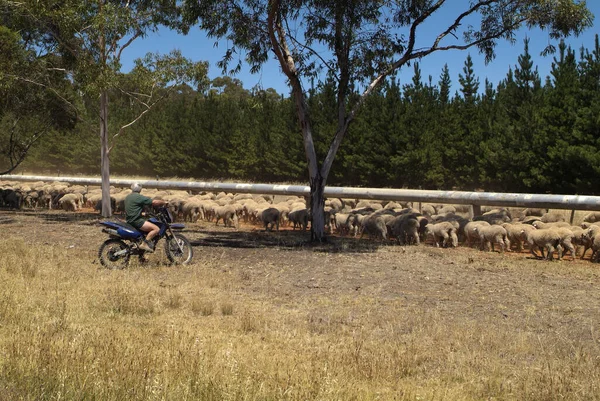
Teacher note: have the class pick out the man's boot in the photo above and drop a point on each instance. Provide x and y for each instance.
(146, 246)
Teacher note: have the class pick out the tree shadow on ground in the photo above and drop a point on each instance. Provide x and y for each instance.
(283, 240)
(60, 216)
(210, 236)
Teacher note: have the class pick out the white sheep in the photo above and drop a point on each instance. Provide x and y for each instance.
(490, 235)
(547, 239)
(228, 214)
(69, 202)
(514, 230)
(552, 217)
(192, 211)
(591, 217)
(580, 239)
(444, 233)
(471, 235)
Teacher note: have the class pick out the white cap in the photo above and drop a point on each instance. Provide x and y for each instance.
(135, 187)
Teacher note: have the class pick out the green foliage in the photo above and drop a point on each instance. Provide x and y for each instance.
(520, 136)
(33, 99)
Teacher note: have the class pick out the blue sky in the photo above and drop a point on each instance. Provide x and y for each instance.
(197, 46)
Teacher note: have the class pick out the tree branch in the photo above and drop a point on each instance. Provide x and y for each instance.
(46, 87)
(126, 45)
(458, 20)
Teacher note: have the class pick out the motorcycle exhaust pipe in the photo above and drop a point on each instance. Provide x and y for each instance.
(110, 231)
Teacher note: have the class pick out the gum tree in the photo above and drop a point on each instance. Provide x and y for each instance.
(32, 100)
(360, 43)
(90, 37)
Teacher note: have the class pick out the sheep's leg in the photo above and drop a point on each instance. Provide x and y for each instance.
(559, 250)
(532, 250)
(572, 251)
(500, 243)
(550, 252)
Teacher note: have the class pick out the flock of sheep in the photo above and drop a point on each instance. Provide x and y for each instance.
(544, 233)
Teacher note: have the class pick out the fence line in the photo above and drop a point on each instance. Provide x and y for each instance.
(476, 199)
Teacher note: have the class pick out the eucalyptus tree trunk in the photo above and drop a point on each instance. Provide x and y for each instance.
(316, 200)
(317, 207)
(104, 153)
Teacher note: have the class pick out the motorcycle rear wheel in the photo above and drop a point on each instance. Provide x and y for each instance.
(107, 252)
(174, 254)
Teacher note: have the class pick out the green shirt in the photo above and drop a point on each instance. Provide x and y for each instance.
(134, 206)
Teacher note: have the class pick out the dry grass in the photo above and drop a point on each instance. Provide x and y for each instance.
(273, 323)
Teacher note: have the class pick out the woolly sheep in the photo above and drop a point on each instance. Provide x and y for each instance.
(585, 225)
(580, 239)
(299, 217)
(270, 218)
(530, 219)
(392, 205)
(541, 225)
(69, 202)
(514, 230)
(192, 211)
(239, 197)
(535, 212)
(492, 234)
(457, 221)
(498, 212)
(594, 235)
(471, 235)
(444, 233)
(552, 217)
(405, 229)
(350, 202)
(428, 209)
(447, 209)
(284, 211)
(249, 210)
(591, 217)
(493, 218)
(547, 239)
(227, 214)
(462, 208)
(340, 223)
(336, 204)
(363, 203)
(374, 226)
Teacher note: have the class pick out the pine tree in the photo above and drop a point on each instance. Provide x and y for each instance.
(469, 83)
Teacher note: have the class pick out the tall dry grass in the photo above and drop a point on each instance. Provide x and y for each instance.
(70, 330)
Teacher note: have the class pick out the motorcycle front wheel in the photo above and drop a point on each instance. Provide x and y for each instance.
(114, 254)
(179, 250)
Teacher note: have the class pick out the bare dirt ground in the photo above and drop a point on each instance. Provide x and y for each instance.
(284, 267)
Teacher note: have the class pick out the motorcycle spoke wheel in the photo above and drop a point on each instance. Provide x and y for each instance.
(110, 254)
(179, 250)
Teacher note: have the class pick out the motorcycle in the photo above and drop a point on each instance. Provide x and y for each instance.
(125, 240)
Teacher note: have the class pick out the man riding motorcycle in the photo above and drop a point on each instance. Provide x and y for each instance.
(134, 206)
